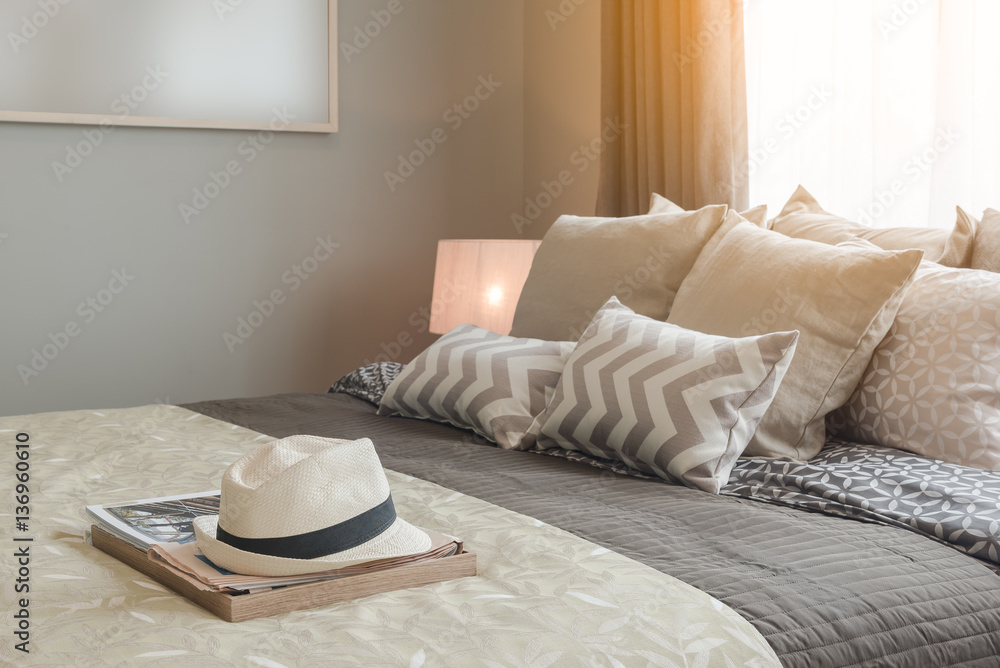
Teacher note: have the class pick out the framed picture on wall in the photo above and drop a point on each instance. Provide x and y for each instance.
(236, 64)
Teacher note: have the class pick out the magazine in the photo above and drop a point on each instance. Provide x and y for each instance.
(197, 569)
(162, 527)
(165, 519)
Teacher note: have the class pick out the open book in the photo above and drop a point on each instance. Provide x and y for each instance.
(162, 527)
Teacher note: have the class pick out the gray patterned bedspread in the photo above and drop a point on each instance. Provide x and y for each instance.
(824, 591)
(956, 505)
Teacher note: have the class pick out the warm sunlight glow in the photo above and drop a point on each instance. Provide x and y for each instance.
(885, 111)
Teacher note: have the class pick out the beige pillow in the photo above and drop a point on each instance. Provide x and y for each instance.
(660, 204)
(804, 218)
(582, 262)
(933, 385)
(986, 250)
(661, 398)
(750, 281)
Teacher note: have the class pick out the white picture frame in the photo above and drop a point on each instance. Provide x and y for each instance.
(15, 29)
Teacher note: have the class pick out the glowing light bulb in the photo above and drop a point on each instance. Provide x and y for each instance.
(495, 295)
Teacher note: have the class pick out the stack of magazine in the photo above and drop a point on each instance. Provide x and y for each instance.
(162, 528)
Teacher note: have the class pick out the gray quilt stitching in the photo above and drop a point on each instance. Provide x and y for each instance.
(955, 505)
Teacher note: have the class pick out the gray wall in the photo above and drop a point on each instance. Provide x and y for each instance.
(161, 338)
(562, 89)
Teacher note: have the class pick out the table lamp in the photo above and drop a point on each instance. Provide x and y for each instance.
(478, 281)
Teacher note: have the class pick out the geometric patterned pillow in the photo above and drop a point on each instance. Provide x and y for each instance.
(475, 379)
(663, 399)
(933, 384)
(369, 382)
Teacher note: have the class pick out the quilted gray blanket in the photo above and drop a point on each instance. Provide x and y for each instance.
(956, 505)
(824, 591)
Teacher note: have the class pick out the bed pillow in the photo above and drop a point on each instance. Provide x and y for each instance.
(662, 399)
(932, 386)
(660, 204)
(986, 249)
(583, 261)
(368, 382)
(475, 379)
(804, 218)
(842, 301)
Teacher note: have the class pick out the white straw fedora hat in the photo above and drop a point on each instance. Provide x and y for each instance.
(305, 504)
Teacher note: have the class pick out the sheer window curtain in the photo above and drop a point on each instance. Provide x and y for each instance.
(673, 74)
(888, 111)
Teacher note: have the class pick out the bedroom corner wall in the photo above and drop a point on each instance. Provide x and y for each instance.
(305, 264)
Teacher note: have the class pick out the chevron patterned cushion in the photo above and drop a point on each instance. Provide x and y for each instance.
(474, 379)
(663, 399)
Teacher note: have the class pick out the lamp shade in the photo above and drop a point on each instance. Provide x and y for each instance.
(478, 282)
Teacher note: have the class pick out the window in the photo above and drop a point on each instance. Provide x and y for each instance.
(887, 111)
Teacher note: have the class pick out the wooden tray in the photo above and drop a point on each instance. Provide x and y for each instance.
(241, 607)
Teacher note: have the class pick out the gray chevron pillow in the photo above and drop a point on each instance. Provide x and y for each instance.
(475, 379)
(663, 399)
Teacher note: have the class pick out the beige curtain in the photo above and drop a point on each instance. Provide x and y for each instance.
(673, 74)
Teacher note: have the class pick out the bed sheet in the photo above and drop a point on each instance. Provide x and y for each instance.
(823, 591)
(543, 597)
